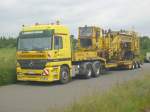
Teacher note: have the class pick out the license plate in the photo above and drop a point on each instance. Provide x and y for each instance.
(30, 72)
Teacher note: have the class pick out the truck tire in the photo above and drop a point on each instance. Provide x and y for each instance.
(64, 75)
(97, 69)
(88, 71)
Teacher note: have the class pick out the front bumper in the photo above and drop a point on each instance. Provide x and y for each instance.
(36, 75)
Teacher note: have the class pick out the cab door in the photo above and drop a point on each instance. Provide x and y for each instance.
(59, 52)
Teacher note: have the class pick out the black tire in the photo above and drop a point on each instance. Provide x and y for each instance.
(97, 69)
(103, 69)
(64, 75)
(133, 66)
(88, 71)
(138, 64)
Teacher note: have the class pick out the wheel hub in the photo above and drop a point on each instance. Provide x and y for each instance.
(65, 75)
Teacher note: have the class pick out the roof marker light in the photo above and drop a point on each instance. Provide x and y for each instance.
(36, 23)
(57, 22)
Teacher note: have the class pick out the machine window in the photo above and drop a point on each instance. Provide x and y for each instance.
(85, 32)
(85, 43)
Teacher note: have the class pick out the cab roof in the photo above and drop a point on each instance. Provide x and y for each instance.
(57, 28)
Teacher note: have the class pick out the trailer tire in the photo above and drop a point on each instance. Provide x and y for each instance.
(103, 69)
(138, 64)
(133, 66)
(88, 71)
(64, 75)
(97, 69)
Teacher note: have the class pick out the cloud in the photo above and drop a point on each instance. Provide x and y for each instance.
(115, 14)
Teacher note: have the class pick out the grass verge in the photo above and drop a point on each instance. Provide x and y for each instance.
(131, 97)
(7, 66)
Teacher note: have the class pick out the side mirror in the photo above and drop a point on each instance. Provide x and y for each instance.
(17, 43)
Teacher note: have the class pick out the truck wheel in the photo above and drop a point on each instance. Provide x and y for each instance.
(97, 69)
(64, 75)
(88, 71)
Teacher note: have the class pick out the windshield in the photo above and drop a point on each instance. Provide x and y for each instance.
(29, 41)
(85, 43)
(85, 31)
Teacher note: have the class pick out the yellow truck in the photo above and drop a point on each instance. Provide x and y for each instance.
(45, 54)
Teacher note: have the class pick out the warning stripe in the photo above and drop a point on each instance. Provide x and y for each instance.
(46, 72)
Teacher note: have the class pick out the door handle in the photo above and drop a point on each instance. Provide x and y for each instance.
(55, 52)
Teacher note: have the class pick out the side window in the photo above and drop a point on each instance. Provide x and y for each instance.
(58, 43)
(97, 35)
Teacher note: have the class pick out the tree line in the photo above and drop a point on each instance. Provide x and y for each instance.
(145, 44)
(8, 42)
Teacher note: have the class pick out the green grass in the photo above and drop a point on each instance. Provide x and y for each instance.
(7, 66)
(131, 97)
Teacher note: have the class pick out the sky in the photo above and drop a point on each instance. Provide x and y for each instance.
(114, 14)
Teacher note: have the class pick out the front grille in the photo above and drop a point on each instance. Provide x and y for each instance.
(32, 64)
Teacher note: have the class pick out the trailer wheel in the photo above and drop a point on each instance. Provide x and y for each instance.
(138, 64)
(88, 71)
(97, 69)
(134, 65)
(64, 75)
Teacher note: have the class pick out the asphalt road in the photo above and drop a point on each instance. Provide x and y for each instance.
(41, 97)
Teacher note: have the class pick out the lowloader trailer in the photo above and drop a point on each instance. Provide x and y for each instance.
(117, 49)
(45, 54)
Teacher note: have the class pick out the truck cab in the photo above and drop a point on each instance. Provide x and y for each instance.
(44, 53)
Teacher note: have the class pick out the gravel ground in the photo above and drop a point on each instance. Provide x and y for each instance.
(41, 97)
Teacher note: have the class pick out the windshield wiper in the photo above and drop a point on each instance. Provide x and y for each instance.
(24, 50)
(36, 48)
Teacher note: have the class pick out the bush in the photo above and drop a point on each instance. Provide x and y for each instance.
(7, 66)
